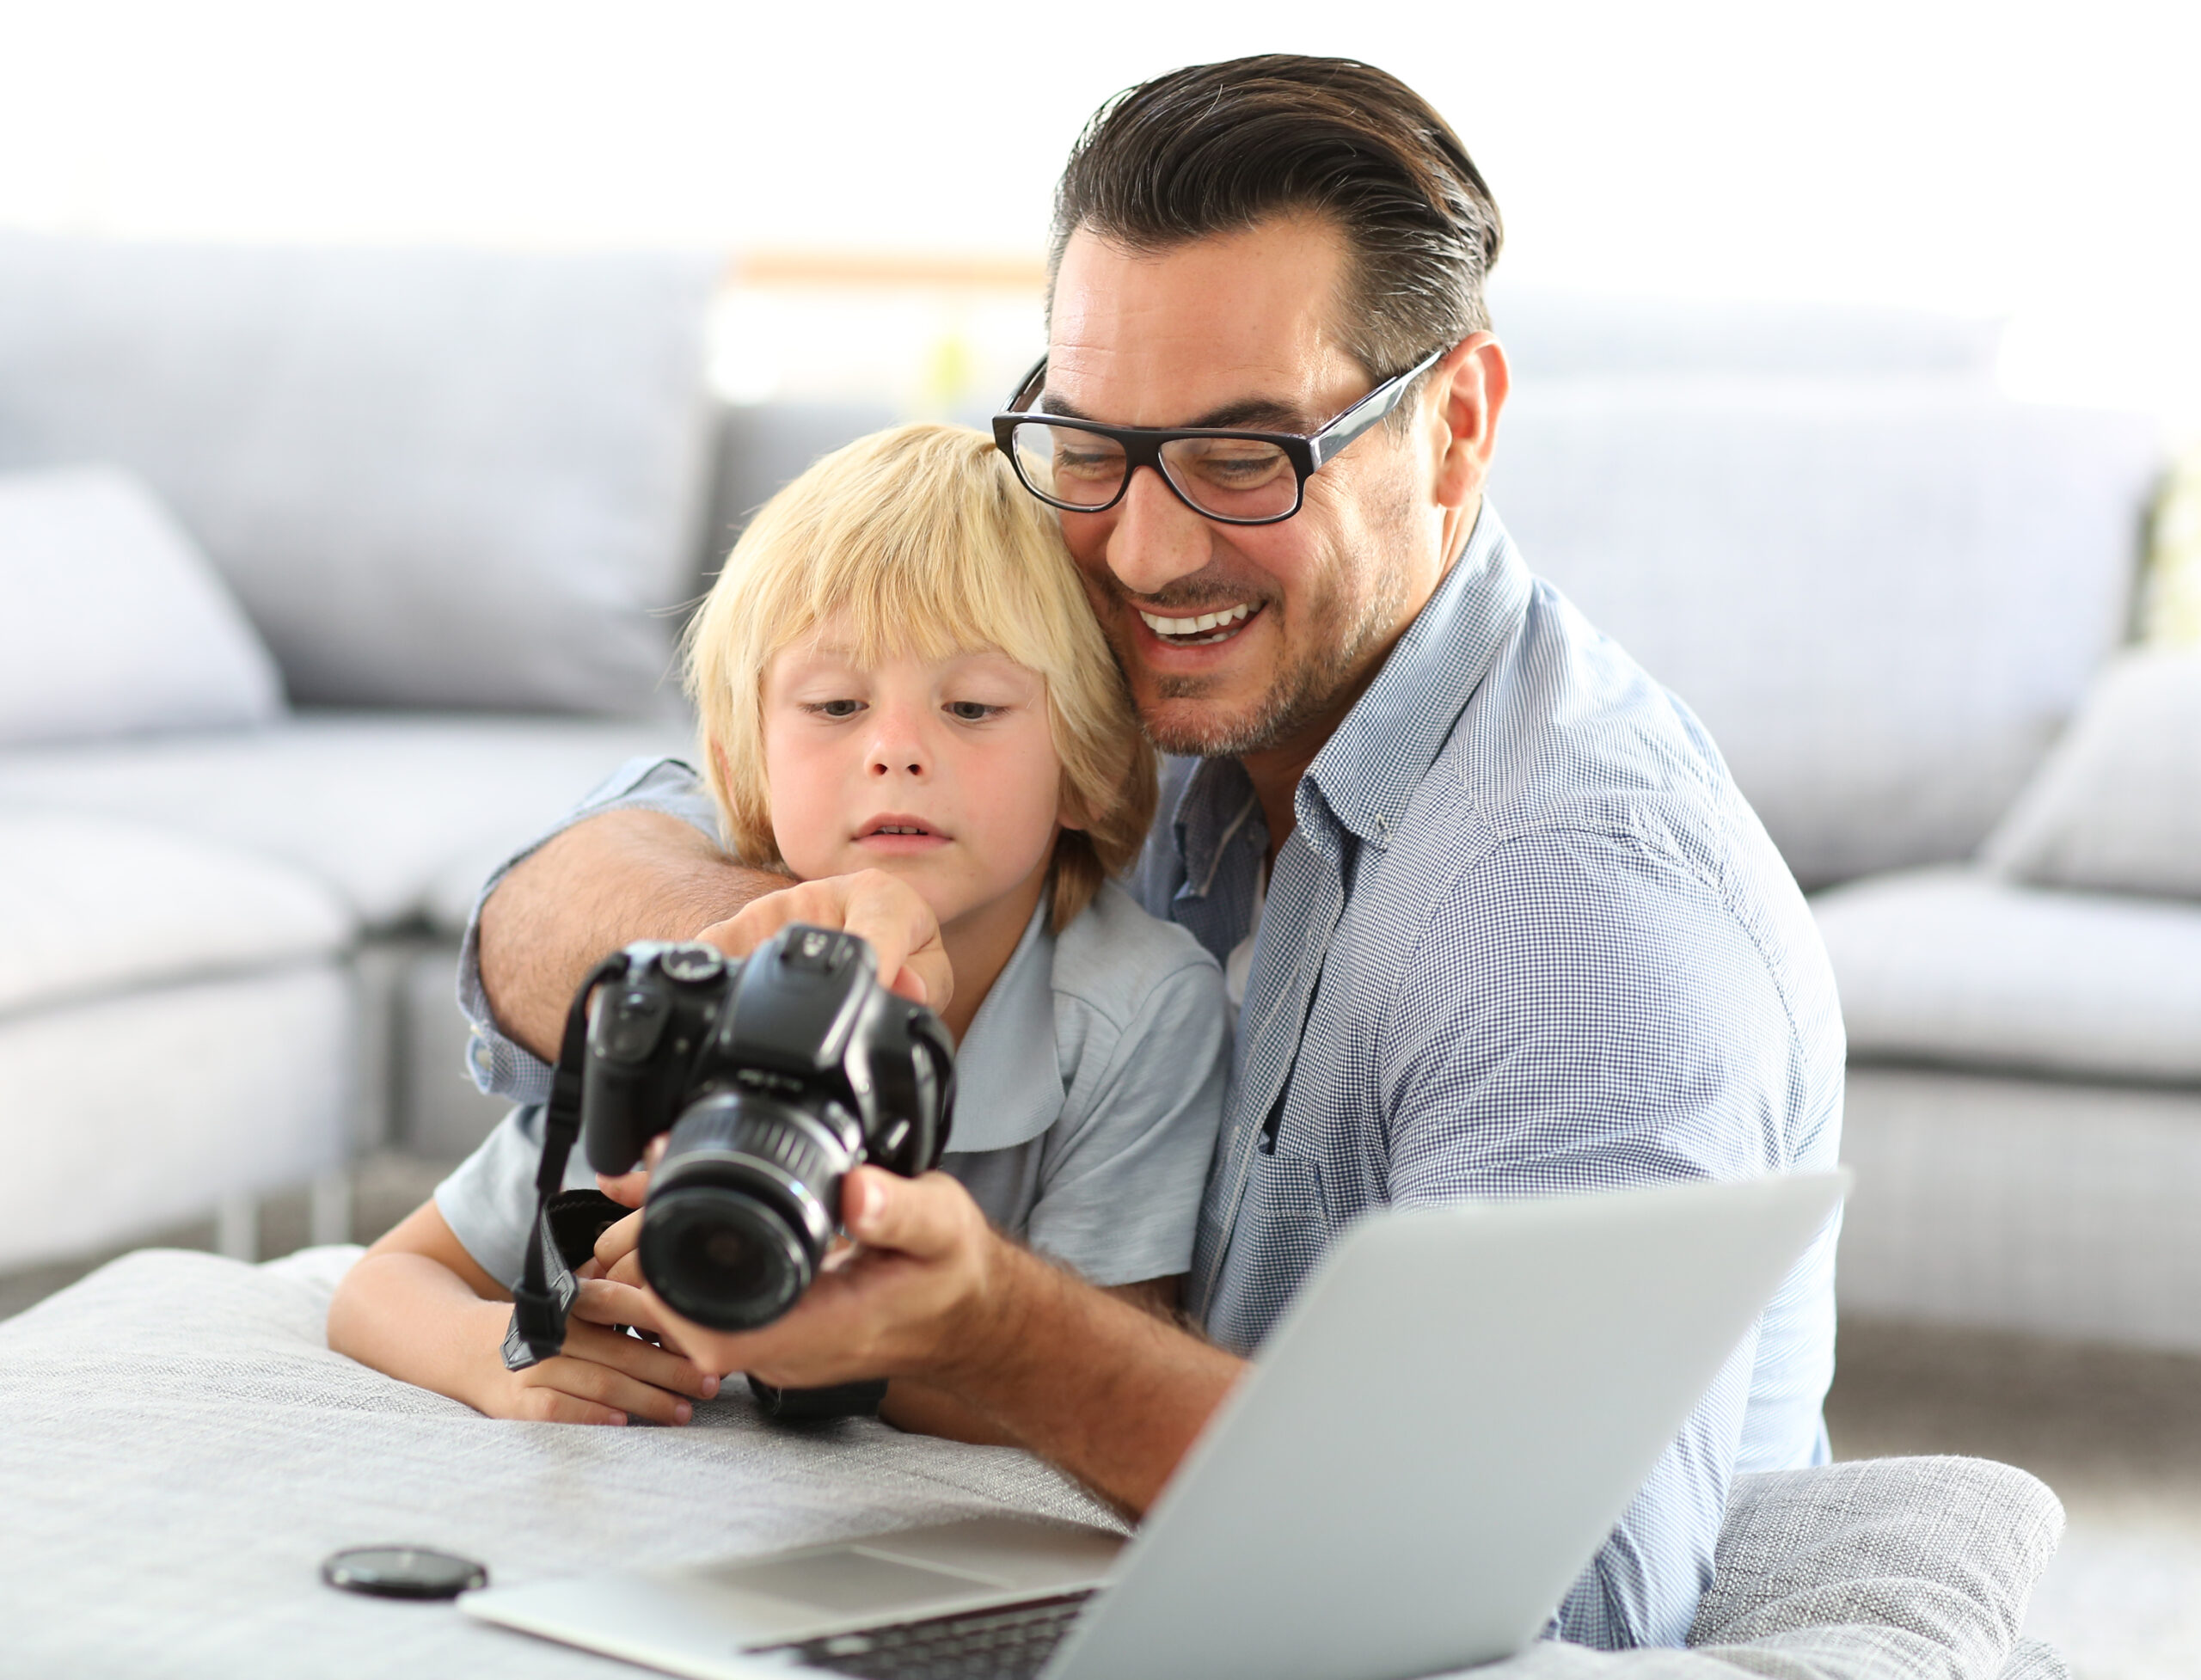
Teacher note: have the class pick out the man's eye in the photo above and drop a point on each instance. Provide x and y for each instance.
(970, 711)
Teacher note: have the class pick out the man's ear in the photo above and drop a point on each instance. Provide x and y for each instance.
(1467, 389)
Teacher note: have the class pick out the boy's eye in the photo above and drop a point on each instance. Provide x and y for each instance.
(838, 708)
(970, 711)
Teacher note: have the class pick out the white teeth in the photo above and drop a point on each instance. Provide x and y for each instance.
(1192, 627)
(889, 828)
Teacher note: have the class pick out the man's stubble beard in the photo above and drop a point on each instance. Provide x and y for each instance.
(1366, 598)
(1363, 598)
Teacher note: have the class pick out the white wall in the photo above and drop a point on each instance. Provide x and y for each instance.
(2040, 164)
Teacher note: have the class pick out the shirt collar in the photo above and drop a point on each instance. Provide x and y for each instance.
(1008, 1077)
(1369, 769)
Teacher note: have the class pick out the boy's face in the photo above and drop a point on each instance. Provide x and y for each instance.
(942, 772)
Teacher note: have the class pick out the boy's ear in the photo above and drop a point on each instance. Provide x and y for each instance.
(1069, 808)
(718, 757)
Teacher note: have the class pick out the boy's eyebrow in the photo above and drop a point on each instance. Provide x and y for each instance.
(1259, 414)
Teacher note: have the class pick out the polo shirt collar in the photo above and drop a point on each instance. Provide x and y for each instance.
(1008, 1077)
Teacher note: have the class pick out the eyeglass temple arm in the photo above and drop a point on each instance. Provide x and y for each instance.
(1371, 409)
(1027, 387)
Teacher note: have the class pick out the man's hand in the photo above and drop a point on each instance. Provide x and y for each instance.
(885, 1307)
(883, 909)
(1097, 1385)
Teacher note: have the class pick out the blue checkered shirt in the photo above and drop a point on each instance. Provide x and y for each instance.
(1525, 938)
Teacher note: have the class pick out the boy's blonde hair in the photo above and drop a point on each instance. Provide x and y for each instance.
(920, 539)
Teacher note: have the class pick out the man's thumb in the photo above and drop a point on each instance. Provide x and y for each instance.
(883, 1210)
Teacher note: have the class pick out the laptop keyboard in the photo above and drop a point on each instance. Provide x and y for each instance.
(1011, 1642)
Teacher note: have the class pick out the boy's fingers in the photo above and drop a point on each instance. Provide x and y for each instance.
(627, 1189)
(619, 1239)
(662, 1368)
(584, 1379)
(539, 1404)
(882, 908)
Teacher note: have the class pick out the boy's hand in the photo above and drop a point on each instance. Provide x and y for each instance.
(603, 1376)
(883, 909)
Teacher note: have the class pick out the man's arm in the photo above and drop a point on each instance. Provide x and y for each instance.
(607, 880)
(630, 874)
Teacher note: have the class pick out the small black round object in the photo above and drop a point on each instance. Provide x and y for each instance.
(402, 1571)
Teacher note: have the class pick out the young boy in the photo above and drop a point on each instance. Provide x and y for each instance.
(896, 670)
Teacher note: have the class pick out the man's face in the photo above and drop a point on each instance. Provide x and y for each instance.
(1238, 330)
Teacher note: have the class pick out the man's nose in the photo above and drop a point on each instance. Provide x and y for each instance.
(1156, 539)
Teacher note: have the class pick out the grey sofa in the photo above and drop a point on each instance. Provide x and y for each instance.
(455, 496)
(381, 585)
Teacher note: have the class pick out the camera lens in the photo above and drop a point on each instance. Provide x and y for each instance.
(739, 1210)
(722, 1258)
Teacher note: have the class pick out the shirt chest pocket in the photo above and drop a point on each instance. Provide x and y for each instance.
(1286, 1213)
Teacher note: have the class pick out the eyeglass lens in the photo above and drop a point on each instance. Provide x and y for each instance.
(1232, 478)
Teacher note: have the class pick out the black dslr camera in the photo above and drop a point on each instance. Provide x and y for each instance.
(776, 1075)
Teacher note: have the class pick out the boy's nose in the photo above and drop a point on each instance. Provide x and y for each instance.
(897, 748)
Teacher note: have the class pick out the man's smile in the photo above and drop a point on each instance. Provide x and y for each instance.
(1200, 629)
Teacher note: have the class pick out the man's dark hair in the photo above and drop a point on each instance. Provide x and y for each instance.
(1219, 148)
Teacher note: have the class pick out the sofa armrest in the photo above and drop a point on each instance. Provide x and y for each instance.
(1900, 1565)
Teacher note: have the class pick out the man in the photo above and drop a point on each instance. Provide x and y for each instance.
(1503, 925)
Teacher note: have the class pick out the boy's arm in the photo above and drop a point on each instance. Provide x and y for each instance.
(418, 1308)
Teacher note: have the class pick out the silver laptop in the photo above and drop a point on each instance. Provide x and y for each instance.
(1456, 1409)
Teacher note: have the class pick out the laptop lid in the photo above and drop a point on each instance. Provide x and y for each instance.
(1456, 1409)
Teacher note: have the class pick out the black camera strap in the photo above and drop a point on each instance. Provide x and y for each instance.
(546, 1287)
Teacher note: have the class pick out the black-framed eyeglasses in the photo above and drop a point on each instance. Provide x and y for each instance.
(1237, 478)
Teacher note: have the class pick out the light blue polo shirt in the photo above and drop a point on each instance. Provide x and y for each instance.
(1088, 1090)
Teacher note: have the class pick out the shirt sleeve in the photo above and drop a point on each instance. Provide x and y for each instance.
(1122, 1171)
(498, 1064)
(1583, 1012)
(488, 1200)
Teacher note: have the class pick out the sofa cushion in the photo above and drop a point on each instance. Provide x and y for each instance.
(434, 477)
(384, 808)
(115, 622)
(92, 905)
(1882, 598)
(145, 1108)
(1953, 965)
(2117, 805)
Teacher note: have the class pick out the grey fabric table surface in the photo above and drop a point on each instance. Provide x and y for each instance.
(182, 1451)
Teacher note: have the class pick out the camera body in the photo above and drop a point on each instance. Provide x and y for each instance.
(776, 1075)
